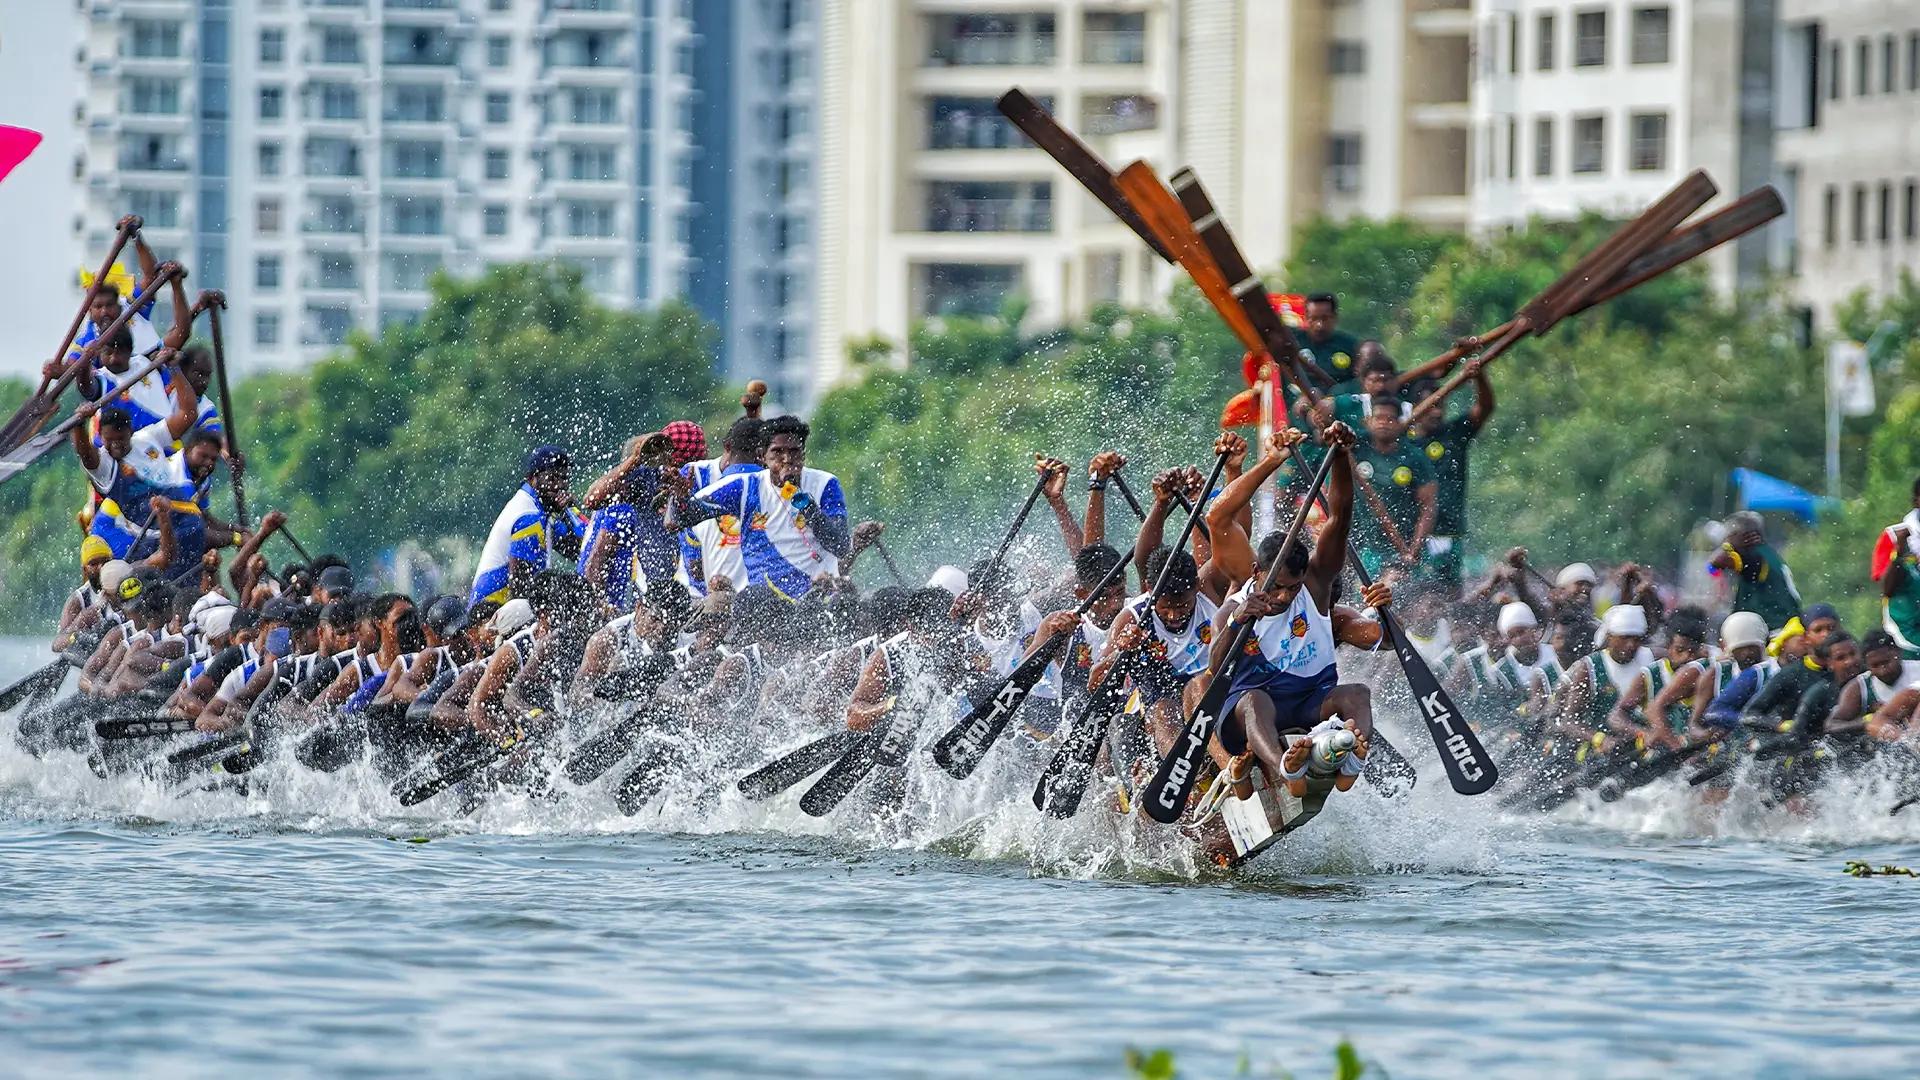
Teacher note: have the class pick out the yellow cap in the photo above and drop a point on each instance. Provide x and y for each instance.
(93, 549)
(1787, 633)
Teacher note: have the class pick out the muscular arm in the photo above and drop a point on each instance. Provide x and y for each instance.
(1330, 549)
(500, 670)
(1483, 403)
(1429, 495)
(872, 695)
(450, 712)
(1233, 554)
(1847, 717)
(182, 327)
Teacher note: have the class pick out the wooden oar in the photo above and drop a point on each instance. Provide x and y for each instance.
(16, 460)
(214, 307)
(1083, 164)
(129, 227)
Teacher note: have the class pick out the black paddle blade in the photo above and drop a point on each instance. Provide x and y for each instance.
(1388, 769)
(782, 773)
(855, 763)
(1063, 783)
(146, 727)
(640, 785)
(966, 743)
(457, 762)
(1166, 794)
(45, 679)
(1470, 768)
(591, 760)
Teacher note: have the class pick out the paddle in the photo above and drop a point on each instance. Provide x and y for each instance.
(966, 743)
(129, 225)
(27, 685)
(1173, 780)
(886, 556)
(1083, 164)
(1019, 520)
(15, 461)
(146, 727)
(594, 757)
(215, 304)
(1063, 782)
(789, 769)
(473, 752)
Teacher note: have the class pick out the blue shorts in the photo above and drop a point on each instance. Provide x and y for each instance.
(1296, 699)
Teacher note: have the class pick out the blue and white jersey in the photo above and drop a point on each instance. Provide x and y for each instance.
(150, 468)
(145, 337)
(148, 401)
(1296, 642)
(776, 545)
(525, 530)
(705, 473)
(617, 526)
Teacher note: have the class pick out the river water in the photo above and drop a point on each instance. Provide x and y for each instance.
(313, 927)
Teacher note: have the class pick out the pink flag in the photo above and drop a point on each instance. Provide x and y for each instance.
(15, 144)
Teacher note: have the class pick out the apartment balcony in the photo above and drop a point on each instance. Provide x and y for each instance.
(179, 64)
(990, 49)
(990, 216)
(560, 15)
(424, 12)
(159, 123)
(144, 164)
(1440, 211)
(1128, 47)
(1441, 115)
(1437, 18)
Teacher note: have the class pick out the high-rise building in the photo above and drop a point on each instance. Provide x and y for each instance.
(1583, 106)
(1848, 110)
(321, 159)
(930, 203)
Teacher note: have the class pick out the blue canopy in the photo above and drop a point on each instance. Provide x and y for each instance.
(1758, 491)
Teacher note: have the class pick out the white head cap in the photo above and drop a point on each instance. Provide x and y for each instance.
(1515, 615)
(951, 578)
(112, 574)
(1627, 620)
(217, 620)
(207, 603)
(512, 615)
(1576, 572)
(1743, 628)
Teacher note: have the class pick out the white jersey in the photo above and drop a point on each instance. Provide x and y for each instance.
(1087, 636)
(1299, 640)
(1879, 692)
(1187, 651)
(777, 546)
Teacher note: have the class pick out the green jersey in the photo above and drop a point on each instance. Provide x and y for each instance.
(1764, 586)
(1447, 450)
(1396, 477)
(1900, 613)
(1335, 356)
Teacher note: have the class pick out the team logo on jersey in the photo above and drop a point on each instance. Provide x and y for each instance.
(1403, 476)
(1299, 627)
(1365, 469)
(153, 453)
(1252, 647)
(759, 523)
(1082, 655)
(1205, 633)
(1157, 648)
(729, 531)
(1342, 361)
(1436, 451)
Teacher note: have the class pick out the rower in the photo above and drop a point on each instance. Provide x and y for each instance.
(1292, 685)
(792, 519)
(537, 524)
(1645, 710)
(1064, 684)
(628, 545)
(1896, 566)
(1520, 681)
(1173, 636)
(1596, 682)
(104, 308)
(85, 604)
(508, 638)
(1761, 581)
(393, 622)
(710, 548)
(1884, 696)
(134, 463)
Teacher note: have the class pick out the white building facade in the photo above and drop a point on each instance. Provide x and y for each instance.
(1848, 145)
(321, 159)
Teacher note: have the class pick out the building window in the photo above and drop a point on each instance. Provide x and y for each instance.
(1830, 217)
(339, 45)
(595, 106)
(497, 161)
(1834, 81)
(1114, 37)
(593, 220)
(159, 209)
(1513, 44)
(1862, 68)
(1590, 38)
(153, 97)
(152, 38)
(273, 45)
(594, 163)
(272, 102)
(1889, 62)
(997, 40)
(971, 123)
(1884, 230)
(1347, 58)
(1589, 144)
(1859, 230)
(1911, 200)
(333, 270)
(266, 272)
(499, 5)
(1344, 161)
(327, 325)
(326, 156)
(416, 160)
(1543, 42)
(266, 328)
(951, 289)
(1543, 146)
(1020, 206)
(269, 157)
(499, 49)
(339, 101)
(408, 271)
(416, 103)
(1913, 60)
(493, 219)
(1513, 148)
(1649, 147)
(499, 107)
(1651, 26)
(415, 217)
(266, 217)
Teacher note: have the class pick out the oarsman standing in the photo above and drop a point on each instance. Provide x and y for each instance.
(535, 525)
(792, 519)
(1896, 566)
(710, 548)
(1397, 505)
(1762, 583)
(628, 543)
(1445, 443)
(1334, 350)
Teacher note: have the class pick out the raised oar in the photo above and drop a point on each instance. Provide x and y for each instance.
(886, 556)
(1063, 783)
(15, 461)
(297, 545)
(1083, 164)
(28, 685)
(128, 227)
(1019, 520)
(215, 304)
(1120, 481)
(966, 743)
(1166, 794)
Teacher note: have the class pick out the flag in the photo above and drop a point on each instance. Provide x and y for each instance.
(15, 144)
(1849, 380)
